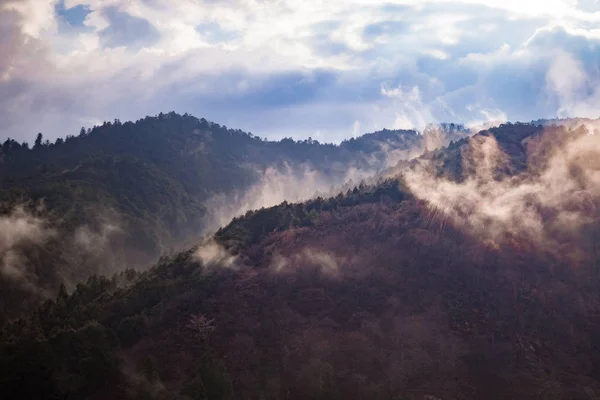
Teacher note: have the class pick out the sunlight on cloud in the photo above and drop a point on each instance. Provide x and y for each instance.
(410, 113)
(38, 15)
(433, 57)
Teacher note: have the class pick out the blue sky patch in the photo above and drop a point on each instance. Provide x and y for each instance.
(73, 16)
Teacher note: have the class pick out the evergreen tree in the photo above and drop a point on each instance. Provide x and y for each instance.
(38, 141)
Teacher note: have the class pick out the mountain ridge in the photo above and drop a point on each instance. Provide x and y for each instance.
(139, 190)
(383, 291)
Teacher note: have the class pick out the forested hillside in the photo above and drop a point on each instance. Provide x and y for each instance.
(119, 195)
(472, 274)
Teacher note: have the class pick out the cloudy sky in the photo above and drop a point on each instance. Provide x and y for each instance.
(323, 68)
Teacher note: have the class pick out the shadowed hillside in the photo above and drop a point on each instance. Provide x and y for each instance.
(472, 275)
(119, 195)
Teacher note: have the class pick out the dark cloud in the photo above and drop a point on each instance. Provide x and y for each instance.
(126, 30)
(284, 90)
(586, 49)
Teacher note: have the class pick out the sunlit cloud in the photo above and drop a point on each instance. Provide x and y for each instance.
(287, 67)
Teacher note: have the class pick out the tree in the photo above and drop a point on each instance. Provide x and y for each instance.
(38, 141)
(201, 325)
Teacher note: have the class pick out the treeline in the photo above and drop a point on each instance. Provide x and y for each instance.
(370, 294)
(121, 194)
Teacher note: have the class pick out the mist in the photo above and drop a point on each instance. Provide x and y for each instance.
(211, 254)
(96, 247)
(548, 203)
(289, 183)
(37, 254)
(297, 182)
(327, 263)
(20, 229)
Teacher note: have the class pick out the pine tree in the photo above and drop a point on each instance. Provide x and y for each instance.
(38, 141)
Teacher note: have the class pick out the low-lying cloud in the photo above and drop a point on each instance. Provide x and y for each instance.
(212, 254)
(300, 182)
(94, 249)
(276, 185)
(20, 229)
(548, 203)
(37, 253)
(327, 263)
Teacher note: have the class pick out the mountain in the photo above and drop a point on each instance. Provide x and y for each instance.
(471, 273)
(119, 195)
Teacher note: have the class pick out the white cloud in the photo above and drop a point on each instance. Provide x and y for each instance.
(356, 128)
(410, 111)
(39, 15)
(20, 229)
(444, 54)
(436, 53)
(566, 76)
(487, 119)
(550, 200)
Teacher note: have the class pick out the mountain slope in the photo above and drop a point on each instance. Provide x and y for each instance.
(121, 194)
(376, 293)
(112, 166)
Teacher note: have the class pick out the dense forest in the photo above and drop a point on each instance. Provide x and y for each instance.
(120, 195)
(470, 272)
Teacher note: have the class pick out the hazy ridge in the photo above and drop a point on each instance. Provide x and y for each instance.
(469, 272)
